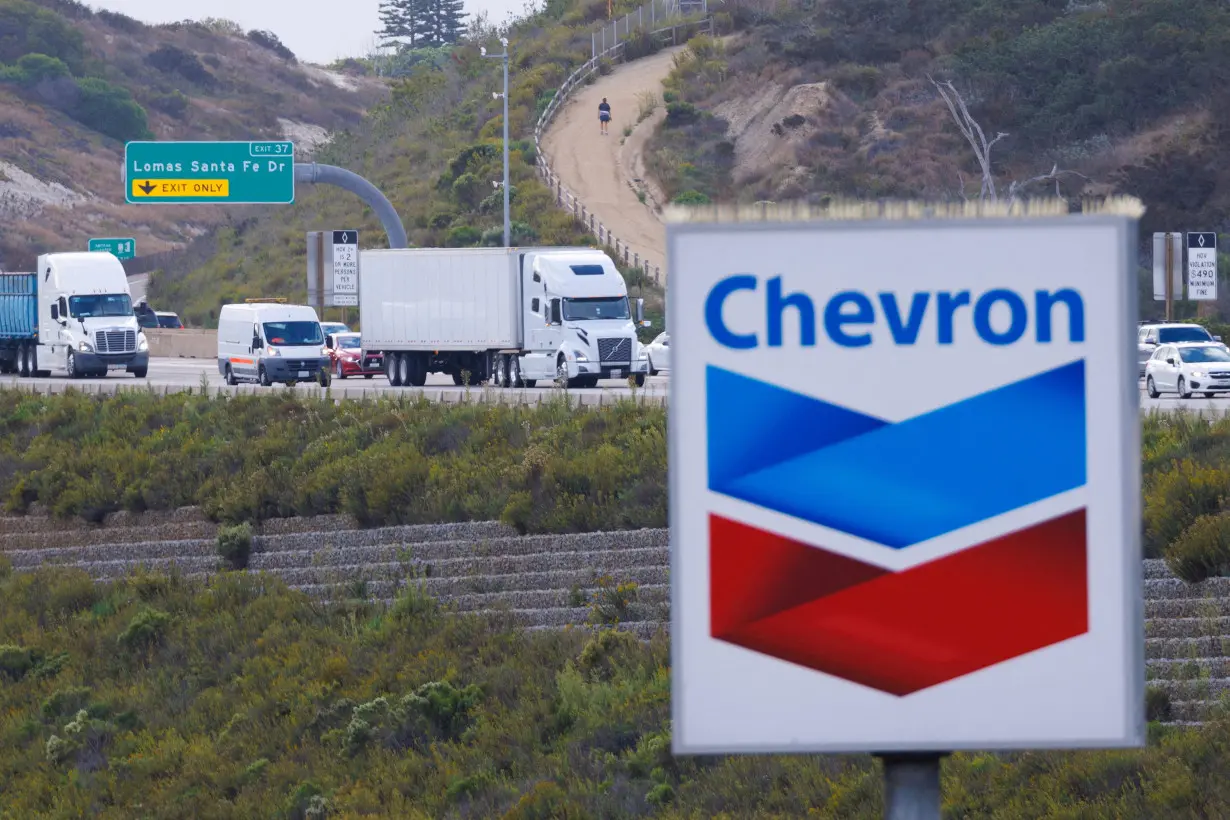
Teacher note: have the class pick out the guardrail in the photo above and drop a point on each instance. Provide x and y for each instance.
(668, 21)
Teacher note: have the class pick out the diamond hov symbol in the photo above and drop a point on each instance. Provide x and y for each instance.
(898, 485)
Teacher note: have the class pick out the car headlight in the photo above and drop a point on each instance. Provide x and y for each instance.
(142, 342)
(85, 347)
(324, 351)
(1198, 374)
(272, 351)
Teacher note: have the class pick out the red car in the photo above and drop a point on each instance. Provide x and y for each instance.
(347, 359)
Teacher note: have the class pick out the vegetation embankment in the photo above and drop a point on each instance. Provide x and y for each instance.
(434, 150)
(75, 84)
(548, 468)
(836, 99)
(157, 697)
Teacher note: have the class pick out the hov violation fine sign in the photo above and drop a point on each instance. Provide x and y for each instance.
(905, 497)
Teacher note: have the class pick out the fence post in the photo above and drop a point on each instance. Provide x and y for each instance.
(653, 17)
(626, 249)
(593, 43)
(584, 215)
(636, 260)
(640, 17)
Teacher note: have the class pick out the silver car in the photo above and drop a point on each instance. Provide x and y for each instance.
(1187, 368)
(1152, 335)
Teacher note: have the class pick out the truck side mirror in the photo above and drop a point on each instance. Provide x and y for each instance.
(556, 317)
(640, 313)
(329, 341)
(256, 342)
(55, 313)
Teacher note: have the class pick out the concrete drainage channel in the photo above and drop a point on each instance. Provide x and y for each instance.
(543, 581)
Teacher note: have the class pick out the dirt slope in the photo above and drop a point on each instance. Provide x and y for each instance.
(590, 165)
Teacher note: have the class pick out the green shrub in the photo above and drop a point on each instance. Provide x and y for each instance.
(691, 198)
(1157, 704)
(681, 113)
(33, 69)
(269, 40)
(463, 236)
(15, 661)
(25, 28)
(1176, 497)
(65, 702)
(1202, 550)
(173, 60)
(235, 544)
(174, 103)
(109, 110)
(146, 629)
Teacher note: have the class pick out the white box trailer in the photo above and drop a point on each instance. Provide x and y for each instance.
(514, 316)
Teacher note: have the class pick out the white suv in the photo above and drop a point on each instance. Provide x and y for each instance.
(1161, 333)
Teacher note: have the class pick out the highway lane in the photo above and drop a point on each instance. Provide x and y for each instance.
(175, 375)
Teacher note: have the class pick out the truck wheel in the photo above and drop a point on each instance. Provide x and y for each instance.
(514, 372)
(501, 372)
(339, 373)
(391, 370)
(263, 377)
(230, 377)
(71, 366)
(32, 361)
(639, 379)
(561, 373)
(403, 369)
(418, 370)
(23, 362)
(138, 373)
(530, 382)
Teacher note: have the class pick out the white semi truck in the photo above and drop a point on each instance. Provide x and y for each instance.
(73, 314)
(515, 316)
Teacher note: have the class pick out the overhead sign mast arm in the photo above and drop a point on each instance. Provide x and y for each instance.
(316, 173)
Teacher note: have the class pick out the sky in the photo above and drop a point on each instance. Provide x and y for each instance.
(318, 32)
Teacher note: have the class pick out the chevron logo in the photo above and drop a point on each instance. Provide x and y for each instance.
(896, 485)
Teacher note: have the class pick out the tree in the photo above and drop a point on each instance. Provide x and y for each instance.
(400, 22)
(422, 23)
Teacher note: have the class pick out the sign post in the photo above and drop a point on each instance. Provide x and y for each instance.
(1202, 266)
(219, 173)
(333, 268)
(866, 558)
(1167, 258)
(125, 248)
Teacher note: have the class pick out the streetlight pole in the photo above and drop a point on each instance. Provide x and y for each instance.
(504, 57)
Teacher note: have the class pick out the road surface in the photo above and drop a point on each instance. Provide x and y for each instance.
(588, 163)
(183, 373)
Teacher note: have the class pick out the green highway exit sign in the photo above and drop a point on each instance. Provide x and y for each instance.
(259, 173)
(122, 248)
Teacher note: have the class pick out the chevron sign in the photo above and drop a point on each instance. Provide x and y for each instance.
(905, 485)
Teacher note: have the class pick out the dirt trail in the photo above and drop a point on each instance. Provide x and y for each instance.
(591, 165)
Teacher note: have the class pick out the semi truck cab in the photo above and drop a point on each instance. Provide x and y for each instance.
(580, 325)
(86, 320)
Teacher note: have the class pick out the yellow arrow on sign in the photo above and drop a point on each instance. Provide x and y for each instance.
(154, 188)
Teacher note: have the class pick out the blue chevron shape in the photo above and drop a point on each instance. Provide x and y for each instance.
(902, 483)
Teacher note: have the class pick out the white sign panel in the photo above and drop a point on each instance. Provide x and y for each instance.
(1202, 266)
(345, 268)
(1159, 266)
(905, 495)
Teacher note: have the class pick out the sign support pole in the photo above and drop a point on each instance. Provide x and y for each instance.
(912, 785)
(1169, 283)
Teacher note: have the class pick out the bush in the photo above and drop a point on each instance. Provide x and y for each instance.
(463, 236)
(174, 103)
(15, 661)
(235, 544)
(681, 113)
(121, 22)
(691, 198)
(27, 29)
(1157, 704)
(1176, 497)
(1203, 550)
(110, 110)
(173, 60)
(33, 69)
(269, 40)
(145, 630)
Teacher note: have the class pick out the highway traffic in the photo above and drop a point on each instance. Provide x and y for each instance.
(184, 373)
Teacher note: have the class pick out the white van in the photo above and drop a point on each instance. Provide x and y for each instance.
(269, 343)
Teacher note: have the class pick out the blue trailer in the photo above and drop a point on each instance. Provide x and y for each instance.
(18, 323)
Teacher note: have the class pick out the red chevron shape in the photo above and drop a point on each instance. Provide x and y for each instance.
(899, 632)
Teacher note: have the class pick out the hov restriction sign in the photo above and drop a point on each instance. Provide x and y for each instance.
(1202, 266)
(872, 553)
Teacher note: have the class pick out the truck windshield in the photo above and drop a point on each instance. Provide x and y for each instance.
(110, 304)
(606, 307)
(1166, 335)
(293, 334)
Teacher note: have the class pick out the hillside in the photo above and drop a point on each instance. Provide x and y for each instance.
(837, 99)
(76, 84)
(434, 150)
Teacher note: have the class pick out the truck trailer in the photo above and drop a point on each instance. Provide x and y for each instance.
(74, 313)
(514, 316)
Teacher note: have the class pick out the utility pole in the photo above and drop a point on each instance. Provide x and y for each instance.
(504, 57)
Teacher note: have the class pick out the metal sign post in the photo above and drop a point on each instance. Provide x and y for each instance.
(1167, 258)
(912, 786)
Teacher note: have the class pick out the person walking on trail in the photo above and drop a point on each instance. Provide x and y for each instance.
(604, 114)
